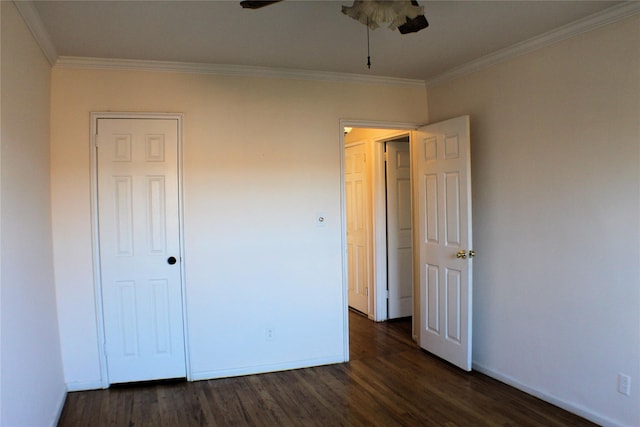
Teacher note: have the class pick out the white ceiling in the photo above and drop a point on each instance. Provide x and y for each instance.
(302, 35)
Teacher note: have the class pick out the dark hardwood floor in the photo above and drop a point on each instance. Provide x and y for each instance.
(388, 382)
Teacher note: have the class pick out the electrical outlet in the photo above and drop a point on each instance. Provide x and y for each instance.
(268, 334)
(624, 384)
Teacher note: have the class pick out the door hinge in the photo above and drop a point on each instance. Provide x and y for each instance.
(386, 294)
(366, 291)
(386, 156)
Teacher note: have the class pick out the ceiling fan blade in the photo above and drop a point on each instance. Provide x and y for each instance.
(257, 4)
(414, 25)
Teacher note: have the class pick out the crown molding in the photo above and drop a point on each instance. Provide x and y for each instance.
(608, 16)
(34, 23)
(230, 70)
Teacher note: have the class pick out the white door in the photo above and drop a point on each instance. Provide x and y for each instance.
(399, 234)
(442, 185)
(358, 227)
(139, 235)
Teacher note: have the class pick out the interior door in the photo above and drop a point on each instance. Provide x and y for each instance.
(442, 185)
(139, 234)
(399, 232)
(358, 227)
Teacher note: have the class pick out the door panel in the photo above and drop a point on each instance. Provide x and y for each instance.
(138, 217)
(358, 227)
(442, 192)
(399, 231)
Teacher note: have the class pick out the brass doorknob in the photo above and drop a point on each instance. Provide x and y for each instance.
(463, 254)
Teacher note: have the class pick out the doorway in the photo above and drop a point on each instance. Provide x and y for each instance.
(442, 239)
(386, 212)
(399, 228)
(137, 246)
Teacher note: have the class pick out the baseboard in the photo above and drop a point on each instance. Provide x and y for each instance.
(58, 411)
(554, 400)
(263, 369)
(223, 373)
(84, 386)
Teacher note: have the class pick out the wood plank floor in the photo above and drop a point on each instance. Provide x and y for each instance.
(389, 382)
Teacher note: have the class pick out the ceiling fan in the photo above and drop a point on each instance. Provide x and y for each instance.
(405, 15)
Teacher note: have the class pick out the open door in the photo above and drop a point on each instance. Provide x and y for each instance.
(443, 245)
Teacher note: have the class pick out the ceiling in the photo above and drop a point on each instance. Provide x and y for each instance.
(301, 35)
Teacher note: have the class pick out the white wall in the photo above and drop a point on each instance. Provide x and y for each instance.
(261, 159)
(556, 180)
(32, 389)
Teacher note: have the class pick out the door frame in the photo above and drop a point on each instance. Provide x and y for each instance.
(95, 238)
(378, 240)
